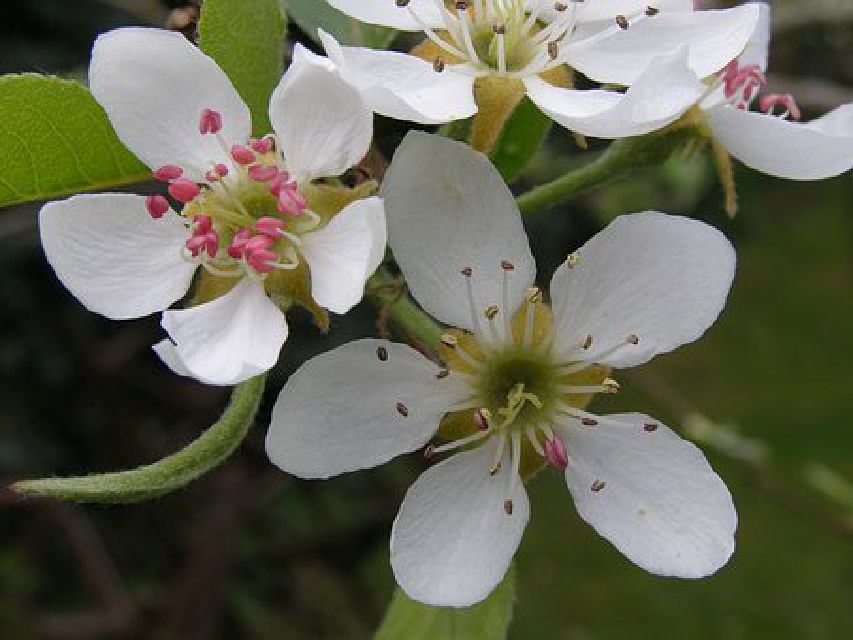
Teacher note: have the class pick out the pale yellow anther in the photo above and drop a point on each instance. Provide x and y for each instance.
(449, 340)
(534, 295)
(610, 386)
(573, 260)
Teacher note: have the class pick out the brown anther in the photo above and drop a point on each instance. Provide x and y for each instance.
(483, 418)
(506, 265)
(589, 422)
(573, 260)
(438, 65)
(633, 339)
(610, 386)
(560, 6)
(652, 11)
(587, 342)
(508, 507)
(467, 272)
(534, 295)
(429, 452)
(622, 21)
(597, 486)
(491, 312)
(553, 50)
(382, 354)
(441, 375)
(499, 28)
(494, 470)
(462, 5)
(403, 410)
(449, 340)
(402, 3)
(650, 427)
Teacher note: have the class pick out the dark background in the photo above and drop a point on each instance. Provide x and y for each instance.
(248, 552)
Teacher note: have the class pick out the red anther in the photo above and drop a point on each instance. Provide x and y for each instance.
(211, 243)
(259, 243)
(281, 181)
(210, 122)
(157, 206)
(269, 226)
(261, 261)
(237, 248)
(221, 170)
(291, 202)
(555, 453)
(184, 191)
(262, 172)
(242, 155)
(261, 145)
(195, 245)
(203, 224)
(168, 172)
(786, 100)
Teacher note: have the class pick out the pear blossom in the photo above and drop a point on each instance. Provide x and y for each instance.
(655, 48)
(247, 220)
(516, 376)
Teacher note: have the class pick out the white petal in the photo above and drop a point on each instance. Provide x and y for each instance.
(661, 504)
(813, 151)
(449, 209)
(230, 339)
(166, 351)
(113, 256)
(323, 126)
(398, 85)
(662, 278)
(345, 253)
(452, 541)
(339, 412)
(386, 13)
(757, 49)
(154, 85)
(619, 56)
(607, 10)
(660, 95)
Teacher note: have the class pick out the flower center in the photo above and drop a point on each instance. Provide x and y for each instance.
(245, 218)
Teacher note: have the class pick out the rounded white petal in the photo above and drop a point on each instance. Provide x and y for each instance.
(154, 85)
(619, 56)
(386, 13)
(113, 256)
(652, 495)
(339, 412)
(453, 541)
(820, 149)
(660, 96)
(230, 339)
(323, 125)
(757, 49)
(661, 278)
(401, 86)
(345, 253)
(607, 10)
(448, 209)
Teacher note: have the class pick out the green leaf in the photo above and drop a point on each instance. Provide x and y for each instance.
(56, 140)
(171, 473)
(521, 138)
(247, 40)
(311, 15)
(489, 620)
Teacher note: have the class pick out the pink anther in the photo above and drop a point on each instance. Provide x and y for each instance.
(242, 155)
(270, 226)
(747, 78)
(261, 145)
(211, 243)
(210, 122)
(291, 202)
(168, 172)
(555, 453)
(262, 261)
(282, 181)
(157, 206)
(237, 248)
(184, 191)
(221, 170)
(481, 419)
(786, 100)
(259, 243)
(262, 172)
(203, 224)
(195, 244)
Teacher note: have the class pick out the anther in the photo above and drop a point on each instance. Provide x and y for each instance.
(508, 507)
(441, 375)
(402, 3)
(506, 265)
(650, 427)
(534, 295)
(491, 312)
(652, 11)
(202, 224)
(403, 410)
(261, 260)
(589, 422)
(610, 386)
(573, 260)
(439, 65)
(168, 172)
(242, 155)
(462, 5)
(587, 342)
(429, 452)
(262, 172)
(555, 452)
(382, 354)
(553, 50)
(210, 122)
(633, 339)
(622, 21)
(269, 226)
(157, 206)
(261, 145)
(482, 418)
(237, 248)
(184, 190)
(495, 469)
(560, 6)
(766, 103)
(597, 486)
(499, 28)
(449, 340)
(467, 272)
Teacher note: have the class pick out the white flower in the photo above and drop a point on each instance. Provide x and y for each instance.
(247, 217)
(639, 44)
(515, 379)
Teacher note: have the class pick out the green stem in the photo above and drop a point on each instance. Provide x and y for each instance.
(404, 314)
(621, 157)
(171, 473)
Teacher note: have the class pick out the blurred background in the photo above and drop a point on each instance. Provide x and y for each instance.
(248, 552)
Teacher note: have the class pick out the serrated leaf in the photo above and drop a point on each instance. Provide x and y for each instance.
(56, 140)
(311, 15)
(520, 140)
(489, 620)
(247, 40)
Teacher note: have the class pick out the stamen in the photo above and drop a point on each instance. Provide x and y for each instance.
(507, 266)
(242, 155)
(534, 297)
(597, 486)
(497, 460)
(650, 427)
(622, 22)
(464, 23)
(533, 438)
(210, 122)
(403, 410)
(450, 341)
(766, 104)
(184, 191)
(382, 354)
(168, 172)
(261, 145)
(157, 206)
(483, 418)
(555, 452)
(515, 458)
(262, 172)
(457, 444)
(237, 248)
